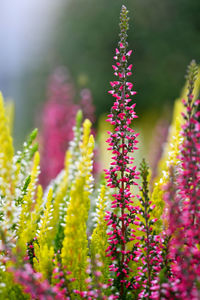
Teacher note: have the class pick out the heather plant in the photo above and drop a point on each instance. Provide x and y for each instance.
(121, 174)
(170, 155)
(184, 221)
(99, 238)
(151, 245)
(57, 121)
(144, 245)
(32, 238)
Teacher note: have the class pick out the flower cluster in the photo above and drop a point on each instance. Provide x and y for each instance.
(58, 119)
(184, 221)
(140, 246)
(121, 175)
(37, 288)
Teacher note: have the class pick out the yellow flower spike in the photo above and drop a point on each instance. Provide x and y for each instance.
(54, 235)
(99, 240)
(67, 160)
(28, 199)
(58, 200)
(75, 251)
(6, 153)
(25, 231)
(31, 227)
(43, 251)
(86, 133)
(75, 245)
(43, 260)
(10, 111)
(44, 223)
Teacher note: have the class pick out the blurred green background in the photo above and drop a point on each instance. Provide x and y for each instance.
(164, 34)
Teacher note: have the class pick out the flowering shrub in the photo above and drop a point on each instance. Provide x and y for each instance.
(144, 245)
(57, 121)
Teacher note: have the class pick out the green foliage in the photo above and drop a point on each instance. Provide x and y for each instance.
(75, 228)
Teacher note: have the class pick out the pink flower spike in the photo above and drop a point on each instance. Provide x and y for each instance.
(122, 144)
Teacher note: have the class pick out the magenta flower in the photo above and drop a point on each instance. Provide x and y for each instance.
(86, 105)
(122, 174)
(37, 288)
(58, 120)
(184, 208)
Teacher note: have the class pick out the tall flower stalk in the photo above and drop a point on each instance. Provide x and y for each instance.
(121, 175)
(184, 228)
(58, 120)
(186, 242)
(150, 248)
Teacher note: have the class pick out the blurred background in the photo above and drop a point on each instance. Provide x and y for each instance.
(37, 36)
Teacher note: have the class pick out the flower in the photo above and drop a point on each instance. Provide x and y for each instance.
(122, 174)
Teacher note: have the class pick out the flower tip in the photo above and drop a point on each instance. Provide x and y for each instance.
(133, 93)
(129, 52)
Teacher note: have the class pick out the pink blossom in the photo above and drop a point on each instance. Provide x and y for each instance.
(121, 175)
(58, 119)
(183, 203)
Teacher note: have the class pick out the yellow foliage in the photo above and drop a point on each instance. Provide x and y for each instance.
(10, 110)
(28, 199)
(86, 133)
(99, 240)
(6, 153)
(43, 260)
(60, 196)
(29, 231)
(45, 220)
(75, 245)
